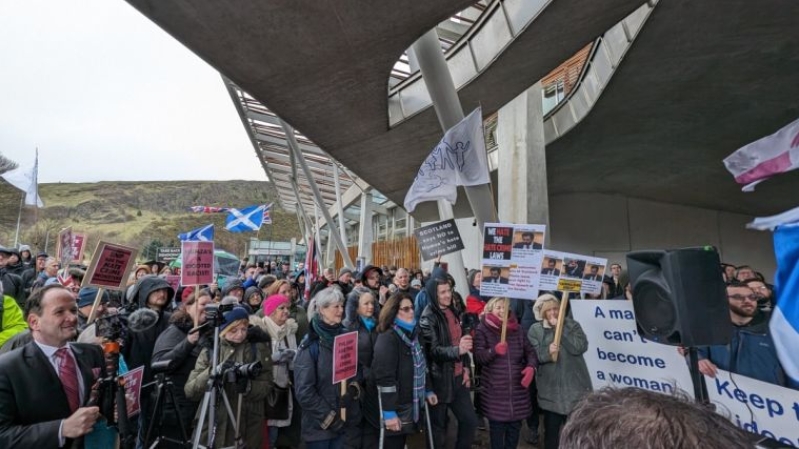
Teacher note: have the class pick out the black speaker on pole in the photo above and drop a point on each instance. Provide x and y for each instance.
(679, 296)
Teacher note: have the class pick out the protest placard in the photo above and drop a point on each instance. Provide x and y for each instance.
(618, 356)
(78, 244)
(438, 239)
(167, 254)
(110, 266)
(345, 356)
(572, 272)
(757, 407)
(511, 264)
(64, 249)
(197, 264)
(133, 383)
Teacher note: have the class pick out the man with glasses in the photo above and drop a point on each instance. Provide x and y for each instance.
(751, 350)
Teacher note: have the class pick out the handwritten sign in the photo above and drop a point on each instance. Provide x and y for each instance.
(110, 266)
(133, 383)
(438, 238)
(512, 255)
(345, 356)
(197, 264)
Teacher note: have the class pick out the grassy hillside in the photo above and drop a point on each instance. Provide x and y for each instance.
(140, 214)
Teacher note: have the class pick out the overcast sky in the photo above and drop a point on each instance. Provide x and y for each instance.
(107, 95)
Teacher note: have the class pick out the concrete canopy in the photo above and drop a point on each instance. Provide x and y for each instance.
(323, 66)
(701, 80)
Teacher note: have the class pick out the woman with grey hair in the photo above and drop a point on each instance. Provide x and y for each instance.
(319, 398)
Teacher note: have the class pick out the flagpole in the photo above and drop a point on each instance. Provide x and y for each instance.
(19, 219)
(36, 188)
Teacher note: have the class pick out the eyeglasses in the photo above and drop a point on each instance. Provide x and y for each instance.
(406, 309)
(738, 297)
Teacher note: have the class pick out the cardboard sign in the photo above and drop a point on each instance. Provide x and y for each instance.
(438, 239)
(512, 255)
(572, 272)
(64, 250)
(197, 263)
(110, 266)
(345, 356)
(133, 382)
(757, 407)
(618, 356)
(167, 254)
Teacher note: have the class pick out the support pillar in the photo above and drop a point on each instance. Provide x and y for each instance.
(342, 224)
(523, 194)
(365, 236)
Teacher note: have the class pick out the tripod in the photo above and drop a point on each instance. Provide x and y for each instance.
(214, 386)
(164, 392)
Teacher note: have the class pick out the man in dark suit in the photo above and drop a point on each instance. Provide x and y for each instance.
(46, 386)
(527, 242)
(593, 275)
(495, 277)
(550, 269)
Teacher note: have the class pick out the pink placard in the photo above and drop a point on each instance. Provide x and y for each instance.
(345, 356)
(133, 381)
(197, 264)
(110, 266)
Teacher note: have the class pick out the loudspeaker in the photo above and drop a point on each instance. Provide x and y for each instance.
(679, 296)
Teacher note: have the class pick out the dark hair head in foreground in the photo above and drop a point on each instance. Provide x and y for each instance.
(630, 417)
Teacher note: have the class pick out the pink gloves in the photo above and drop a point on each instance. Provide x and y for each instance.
(527, 376)
(501, 348)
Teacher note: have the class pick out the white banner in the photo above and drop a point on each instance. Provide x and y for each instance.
(618, 356)
(757, 407)
(512, 256)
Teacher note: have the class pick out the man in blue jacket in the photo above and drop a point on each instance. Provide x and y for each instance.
(751, 350)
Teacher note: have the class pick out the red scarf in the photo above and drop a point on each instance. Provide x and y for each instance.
(495, 323)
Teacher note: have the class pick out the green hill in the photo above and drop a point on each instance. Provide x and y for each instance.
(140, 214)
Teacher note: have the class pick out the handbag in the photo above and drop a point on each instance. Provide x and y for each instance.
(276, 405)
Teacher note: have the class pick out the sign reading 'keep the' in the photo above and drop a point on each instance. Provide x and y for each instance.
(197, 265)
(438, 239)
(345, 356)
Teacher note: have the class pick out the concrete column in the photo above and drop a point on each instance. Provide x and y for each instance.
(522, 173)
(365, 235)
(342, 224)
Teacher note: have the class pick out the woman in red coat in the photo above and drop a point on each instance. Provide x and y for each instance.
(507, 371)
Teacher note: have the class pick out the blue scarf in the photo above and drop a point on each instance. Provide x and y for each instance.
(419, 365)
(368, 323)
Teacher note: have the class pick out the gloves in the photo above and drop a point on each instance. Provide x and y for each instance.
(284, 356)
(353, 394)
(501, 348)
(527, 376)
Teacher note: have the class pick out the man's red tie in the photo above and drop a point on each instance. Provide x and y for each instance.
(69, 377)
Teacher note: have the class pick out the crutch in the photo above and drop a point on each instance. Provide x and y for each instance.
(382, 421)
(429, 426)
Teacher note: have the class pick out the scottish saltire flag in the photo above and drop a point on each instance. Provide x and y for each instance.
(248, 219)
(459, 159)
(784, 322)
(203, 234)
(764, 158)
(208, 209)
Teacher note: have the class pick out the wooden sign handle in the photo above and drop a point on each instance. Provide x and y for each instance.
(504, 332)
(559, 330)
(343, 392)
(97, 299)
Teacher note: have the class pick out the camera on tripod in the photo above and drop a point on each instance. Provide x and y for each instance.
(215, 313)
(234, 372)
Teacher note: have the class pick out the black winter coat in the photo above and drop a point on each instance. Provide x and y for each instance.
(138, 346)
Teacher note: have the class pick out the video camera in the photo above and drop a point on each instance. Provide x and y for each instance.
(215, 313)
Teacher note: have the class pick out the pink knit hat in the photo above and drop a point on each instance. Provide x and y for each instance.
(273, 302)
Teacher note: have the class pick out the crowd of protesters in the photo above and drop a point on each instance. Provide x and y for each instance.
(425, 354)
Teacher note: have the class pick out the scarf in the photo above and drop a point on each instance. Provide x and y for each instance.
(495, 323)
(368, 323)
(419, 366)
(326, 332)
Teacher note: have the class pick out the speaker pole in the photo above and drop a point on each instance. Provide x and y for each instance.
(561, 316)
(696, 376)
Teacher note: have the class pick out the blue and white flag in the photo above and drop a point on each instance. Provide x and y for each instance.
(203, 234)
(248, 219)
(459, 159)
(784, 323)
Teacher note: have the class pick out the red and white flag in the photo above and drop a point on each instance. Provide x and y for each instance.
(764, 158)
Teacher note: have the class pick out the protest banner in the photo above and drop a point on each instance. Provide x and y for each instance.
(438, 239)
(110, 266)
(511, 264)
(197, 263)
(572, 272)
(757, 407)
(618, 356)
(64, 250)
(133, 383)
(167, 254)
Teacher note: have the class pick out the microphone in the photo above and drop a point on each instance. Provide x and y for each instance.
(142, 319)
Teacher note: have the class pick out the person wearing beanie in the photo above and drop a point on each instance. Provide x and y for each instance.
(233, 288)
(25, 256)
(283, 333)
(86, 297)
(345, 275)
(265, 281)
(235, 348)
(253, 297)
(561, 385)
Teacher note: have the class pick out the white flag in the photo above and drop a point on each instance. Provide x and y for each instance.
(761, 159)
(26, 180)
(459, 159)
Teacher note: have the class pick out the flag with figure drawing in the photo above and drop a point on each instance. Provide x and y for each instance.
(459, 159)
(766, 157)
(247, 219)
